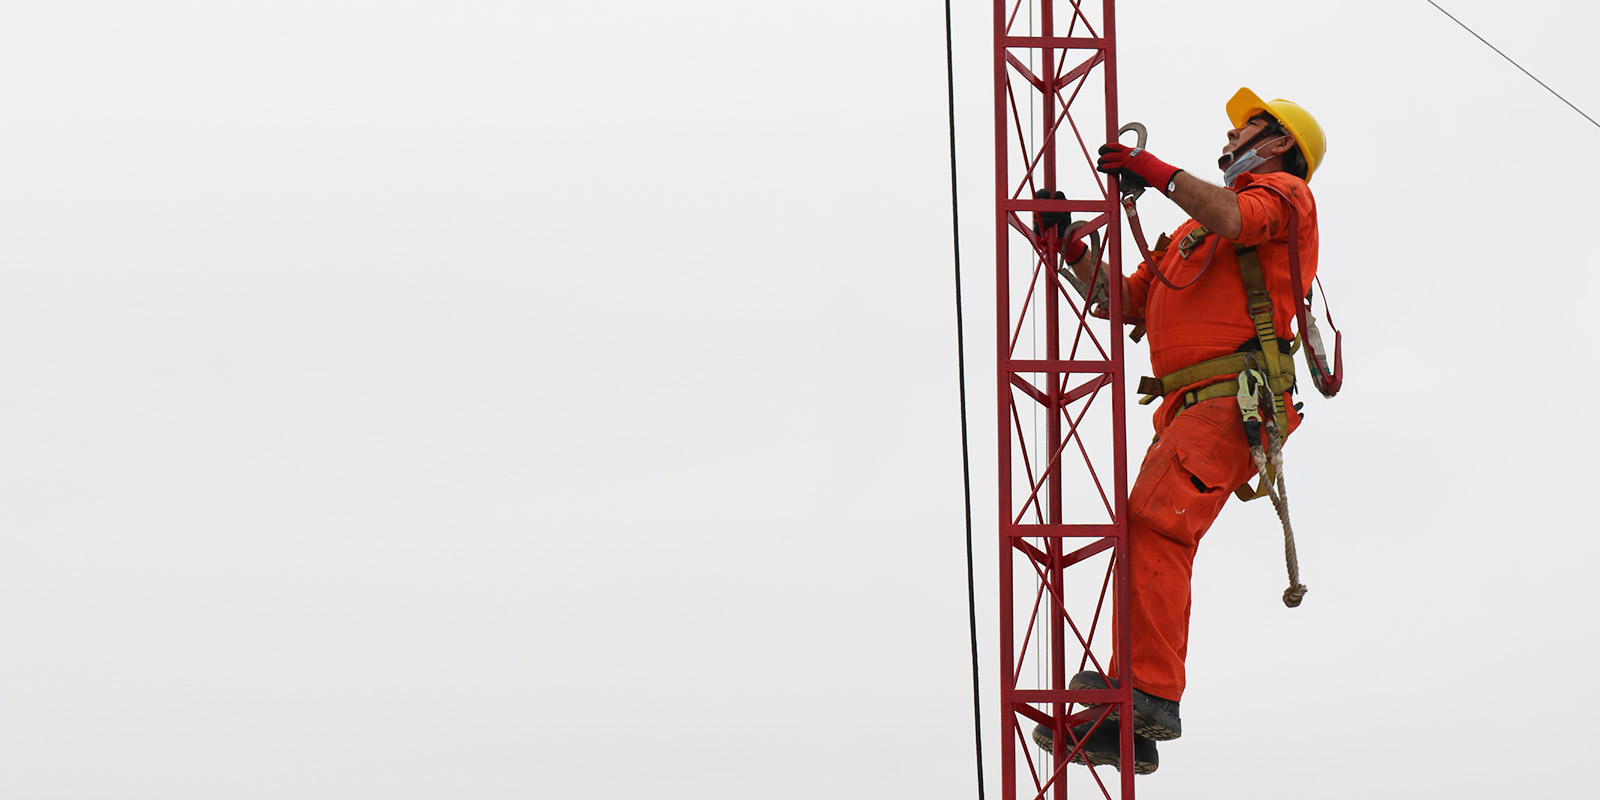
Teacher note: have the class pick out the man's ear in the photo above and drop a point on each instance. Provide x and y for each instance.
(1279, 146)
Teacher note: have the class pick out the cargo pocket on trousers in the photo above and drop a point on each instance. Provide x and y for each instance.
(1182, 484)
(1206, 472)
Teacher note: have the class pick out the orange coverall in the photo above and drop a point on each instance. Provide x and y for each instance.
(1200, 455)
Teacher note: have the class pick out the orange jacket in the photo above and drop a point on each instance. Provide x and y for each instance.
(1211, 318)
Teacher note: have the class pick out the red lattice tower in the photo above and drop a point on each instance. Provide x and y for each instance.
(1062, 460)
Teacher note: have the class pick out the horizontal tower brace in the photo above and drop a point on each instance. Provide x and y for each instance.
(1055, 42)
(1086, 715)
(1065, 80)
(1058, 531)
(1041, 396)
(1081, 554)
(1095, 696)
(1055, 365)
(1040, 204)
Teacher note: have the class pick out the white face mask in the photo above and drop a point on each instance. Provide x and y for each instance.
(1242, 164)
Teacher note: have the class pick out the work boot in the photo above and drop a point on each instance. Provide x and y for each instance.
(1154, 718)
(1104, 747)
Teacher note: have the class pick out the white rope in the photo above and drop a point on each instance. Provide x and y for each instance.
(1280, 502)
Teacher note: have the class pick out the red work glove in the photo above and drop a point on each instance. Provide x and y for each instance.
(1135, 164)
(1071, 249)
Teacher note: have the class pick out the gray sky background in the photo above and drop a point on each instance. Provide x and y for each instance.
(497, 400)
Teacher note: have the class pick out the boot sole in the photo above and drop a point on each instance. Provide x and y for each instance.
(1143, 726)
(1106, 758)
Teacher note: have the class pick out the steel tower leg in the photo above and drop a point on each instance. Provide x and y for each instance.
(1061, 395)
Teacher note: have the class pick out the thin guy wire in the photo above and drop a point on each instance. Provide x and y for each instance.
(1514, 63)
(961, 373)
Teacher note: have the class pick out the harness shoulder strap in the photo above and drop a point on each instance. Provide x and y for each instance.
(1260, 308)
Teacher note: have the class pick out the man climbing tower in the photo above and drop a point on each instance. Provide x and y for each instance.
(1217, 302)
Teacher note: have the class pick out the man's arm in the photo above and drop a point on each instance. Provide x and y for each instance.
(1210, 205)
(1084, 269)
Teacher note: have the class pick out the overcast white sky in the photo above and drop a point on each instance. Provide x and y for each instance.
(506, 400)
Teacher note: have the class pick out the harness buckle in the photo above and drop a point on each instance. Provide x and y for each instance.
(1192, 240)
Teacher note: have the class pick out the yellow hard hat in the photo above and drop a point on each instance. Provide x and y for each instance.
(1302, 127)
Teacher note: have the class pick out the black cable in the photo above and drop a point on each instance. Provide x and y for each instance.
(961, 379)
(1513, 63)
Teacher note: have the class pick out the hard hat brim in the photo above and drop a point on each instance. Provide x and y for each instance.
(1244, 105)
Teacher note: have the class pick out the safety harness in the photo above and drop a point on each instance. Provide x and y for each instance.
(1264, 366)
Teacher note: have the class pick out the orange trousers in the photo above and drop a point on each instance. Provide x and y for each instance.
(1187, 476)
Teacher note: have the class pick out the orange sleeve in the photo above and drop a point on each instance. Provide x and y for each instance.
(1139, 288)
(1263, 216)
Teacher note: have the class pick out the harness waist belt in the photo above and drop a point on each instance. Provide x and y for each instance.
(1232, 364)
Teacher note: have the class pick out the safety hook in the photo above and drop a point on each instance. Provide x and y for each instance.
(1141, 134)
(1097, 296)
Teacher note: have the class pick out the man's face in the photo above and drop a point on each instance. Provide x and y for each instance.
(1249, 130)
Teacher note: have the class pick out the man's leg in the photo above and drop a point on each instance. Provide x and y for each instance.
(1182, 485)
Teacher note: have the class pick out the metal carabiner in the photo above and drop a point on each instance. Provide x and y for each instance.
(1141, 134)
(1251, 382)
(1095, 297)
